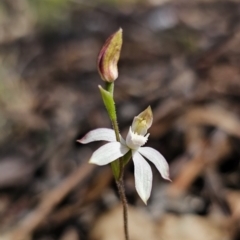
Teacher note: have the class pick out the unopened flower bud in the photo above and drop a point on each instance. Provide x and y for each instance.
(109, 56)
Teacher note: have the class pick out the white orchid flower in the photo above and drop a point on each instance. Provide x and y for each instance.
(136, 138)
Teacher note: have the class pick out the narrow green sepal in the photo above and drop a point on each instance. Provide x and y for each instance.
(115, 165)
(109, 103)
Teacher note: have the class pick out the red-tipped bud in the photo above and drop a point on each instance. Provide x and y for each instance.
(109, 56)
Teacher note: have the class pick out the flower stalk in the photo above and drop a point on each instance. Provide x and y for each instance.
(118, 167)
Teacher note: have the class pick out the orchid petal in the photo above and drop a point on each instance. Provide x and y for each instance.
(99, 134)
(108, 153)
(157, 159)
(122, 140)
(143, 176)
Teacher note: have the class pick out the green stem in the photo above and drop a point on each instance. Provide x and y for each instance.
(116, 129)
(110, 87)
(123, 198)
(121, 163)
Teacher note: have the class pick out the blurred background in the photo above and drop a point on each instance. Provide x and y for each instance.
(182, 57)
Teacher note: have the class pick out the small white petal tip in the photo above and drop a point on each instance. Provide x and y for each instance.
(145, 201)
(168, 179)
(92, 162)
